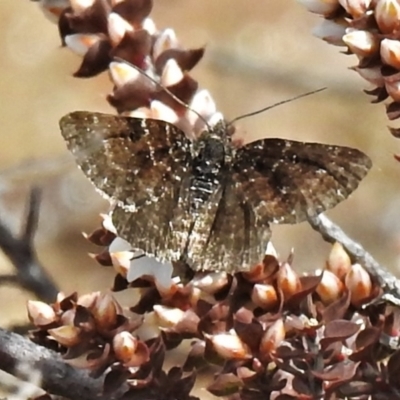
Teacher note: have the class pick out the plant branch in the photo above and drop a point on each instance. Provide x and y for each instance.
(58, 377)
(333, 233)
(20, 250)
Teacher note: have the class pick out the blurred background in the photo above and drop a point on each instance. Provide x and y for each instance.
(257, 53)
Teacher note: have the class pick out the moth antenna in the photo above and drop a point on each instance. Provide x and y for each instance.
(274, 105)
(165, 89)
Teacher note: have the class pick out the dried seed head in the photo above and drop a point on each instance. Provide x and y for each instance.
(168, 317)
(359, 284)
(390, 52)
(339, 261)
(105, 311)
(288, 281)
(330, 288)
(387, 15)
(40, 314)
(124, 346)
(264, 296)
(272, 338)
(362, 43)
(229, 346)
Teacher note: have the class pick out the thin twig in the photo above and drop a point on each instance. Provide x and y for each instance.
(58, 377)
(9, 280)
(32, 217)
(20, 250)
(333, 233)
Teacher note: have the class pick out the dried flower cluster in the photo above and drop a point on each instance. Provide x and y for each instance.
(370, 30)
(119, 37)
(270, 332)
(92, 333)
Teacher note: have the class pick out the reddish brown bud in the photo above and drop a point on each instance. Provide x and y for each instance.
(338, 261)
(105, 311)
(387, 15)
(330, 288)
(359, 284)
(124, 345)
(272, 338)
(129, 350)
(264, 296)
(288, 281)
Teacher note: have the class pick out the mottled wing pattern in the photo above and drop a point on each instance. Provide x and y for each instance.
(137, 163)
(234, 240)
(148, 229)
(285, 181)
(192, 229)
(128, 159)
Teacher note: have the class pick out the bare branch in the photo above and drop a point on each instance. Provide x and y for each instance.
(9, 280)
(333, 233)
(32, 217)
(30, 273)
(58, 377)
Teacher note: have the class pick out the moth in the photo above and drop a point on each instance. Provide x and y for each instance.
(206, 202)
